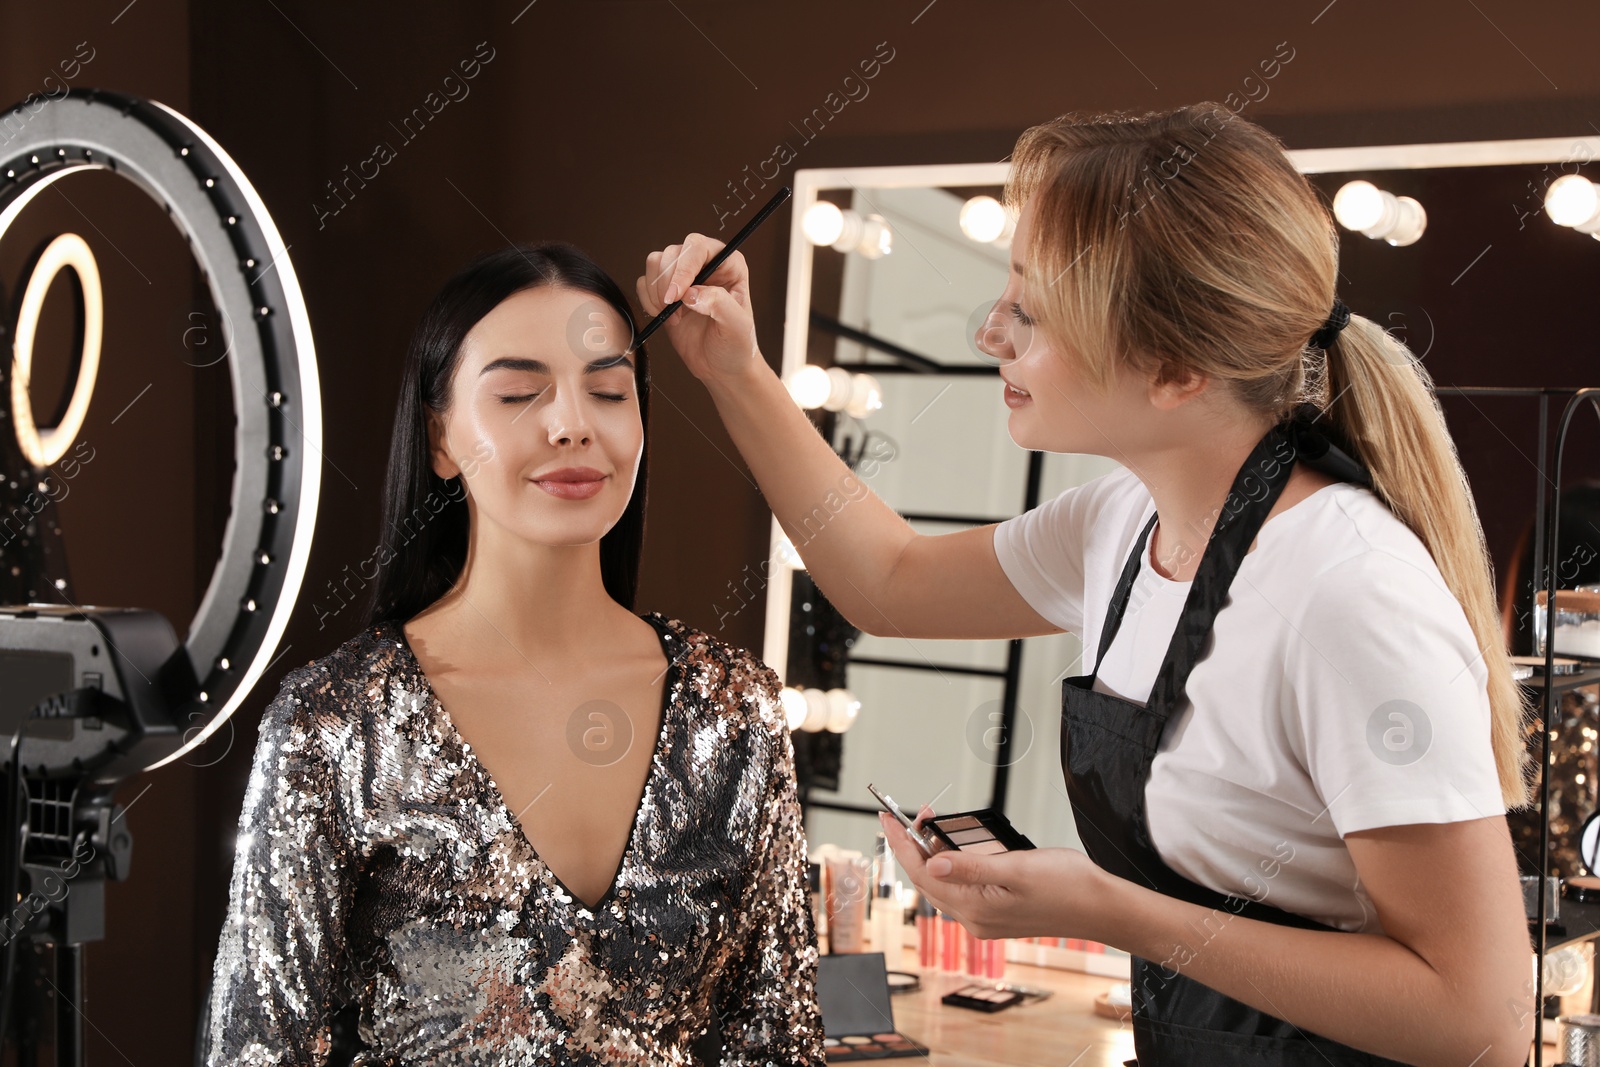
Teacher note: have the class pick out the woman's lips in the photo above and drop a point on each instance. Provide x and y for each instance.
(1015, 398)
(571, 483)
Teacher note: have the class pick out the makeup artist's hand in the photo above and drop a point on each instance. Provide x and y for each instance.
(714, 331)
(1039, 892)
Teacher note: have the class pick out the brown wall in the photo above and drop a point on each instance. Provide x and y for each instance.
(618, 125)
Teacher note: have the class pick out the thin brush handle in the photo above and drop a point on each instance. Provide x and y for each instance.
(716, 261)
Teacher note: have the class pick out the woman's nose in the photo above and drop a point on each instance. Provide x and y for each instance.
(566, 422)
(992, 338)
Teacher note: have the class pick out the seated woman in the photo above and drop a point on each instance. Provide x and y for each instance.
(511, 821)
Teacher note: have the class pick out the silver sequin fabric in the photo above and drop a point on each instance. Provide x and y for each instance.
(379, 872)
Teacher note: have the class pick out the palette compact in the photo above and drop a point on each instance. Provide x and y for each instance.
(857, 1019)
(982, 998)
(986, 830)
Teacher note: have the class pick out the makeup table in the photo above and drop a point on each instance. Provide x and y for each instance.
(1061, 1029)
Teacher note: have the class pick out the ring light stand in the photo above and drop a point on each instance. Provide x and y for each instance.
(90, 696)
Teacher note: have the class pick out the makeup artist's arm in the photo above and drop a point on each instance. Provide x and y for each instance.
(882, 575)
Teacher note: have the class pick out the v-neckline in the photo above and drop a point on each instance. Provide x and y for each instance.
(497, 798)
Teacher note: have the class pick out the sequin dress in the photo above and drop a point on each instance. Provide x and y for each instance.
(378, 867)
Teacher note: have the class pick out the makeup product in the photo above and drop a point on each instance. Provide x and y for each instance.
(981, 998)
(857, 1017)
(996, 958)
(1577, 622)
(927, 934)
(1579, 1038)
(1029, 993)
(888, 918)
(847, 902)
(982, 831)
(973, 949)
(904, 982)
(951, 937)
(716, 261)
(912, 831)
(819, 911)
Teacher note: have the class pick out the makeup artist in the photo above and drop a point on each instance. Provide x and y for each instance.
(1290, 763)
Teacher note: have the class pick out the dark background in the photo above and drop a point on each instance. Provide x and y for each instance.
(618, 125)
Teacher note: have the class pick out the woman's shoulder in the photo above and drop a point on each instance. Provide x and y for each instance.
(726, 680)
(333, 688)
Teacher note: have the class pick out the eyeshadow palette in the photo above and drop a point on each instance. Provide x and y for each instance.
(982, 831)
(857, 1018)
(982, 998)
(870, 1047)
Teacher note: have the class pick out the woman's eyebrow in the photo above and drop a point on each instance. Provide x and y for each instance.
(539, 366)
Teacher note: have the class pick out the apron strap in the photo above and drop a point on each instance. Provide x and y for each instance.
(1119, 598)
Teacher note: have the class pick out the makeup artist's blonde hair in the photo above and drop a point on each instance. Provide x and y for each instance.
(1185, 240)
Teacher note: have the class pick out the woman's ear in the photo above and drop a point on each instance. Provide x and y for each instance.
(438, 457)
(1177, 387)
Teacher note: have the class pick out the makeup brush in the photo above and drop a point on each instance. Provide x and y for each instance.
(716, 261)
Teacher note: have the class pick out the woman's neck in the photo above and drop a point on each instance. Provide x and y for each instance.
(1190, 485)
(520, 598)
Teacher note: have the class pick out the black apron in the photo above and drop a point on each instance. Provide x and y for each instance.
(1107, 744)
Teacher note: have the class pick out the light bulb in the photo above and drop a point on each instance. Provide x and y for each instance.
(794, 706)
(984, 219)
(818, 711)
(810, 386)
(840, 387)
(876, 239)
(865, 396)
(822, 223)
(1363, 207)
(1573, 200)
(843, 707)
(1357, 205)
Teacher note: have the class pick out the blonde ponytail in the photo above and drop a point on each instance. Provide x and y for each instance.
(1382, 400)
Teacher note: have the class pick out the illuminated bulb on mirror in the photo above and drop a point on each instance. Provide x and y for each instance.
(865, 396)
(843, 707)
(810, 386)
(1573, 200)
(847, 231)
(822, 223)
(1366, 209)
(985, 220)
(794, 707)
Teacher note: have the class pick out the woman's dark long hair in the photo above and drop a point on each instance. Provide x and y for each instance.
(425, 519)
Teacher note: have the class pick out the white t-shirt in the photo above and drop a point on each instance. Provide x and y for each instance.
(1342, 688)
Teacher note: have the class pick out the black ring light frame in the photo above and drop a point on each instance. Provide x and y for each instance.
(276, 398)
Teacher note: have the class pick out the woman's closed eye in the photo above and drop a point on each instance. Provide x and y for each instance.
(610, 397)
(1022, 316)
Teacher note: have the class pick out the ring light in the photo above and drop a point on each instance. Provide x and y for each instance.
(277, 407)
(44, 447)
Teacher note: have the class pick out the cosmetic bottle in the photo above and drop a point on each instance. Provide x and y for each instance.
(849, 874)
(888, 918)
(927, 934)
(819, 911)
(951, 936)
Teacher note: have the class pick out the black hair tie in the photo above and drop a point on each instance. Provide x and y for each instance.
(1338, 318)
(1320, 445)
